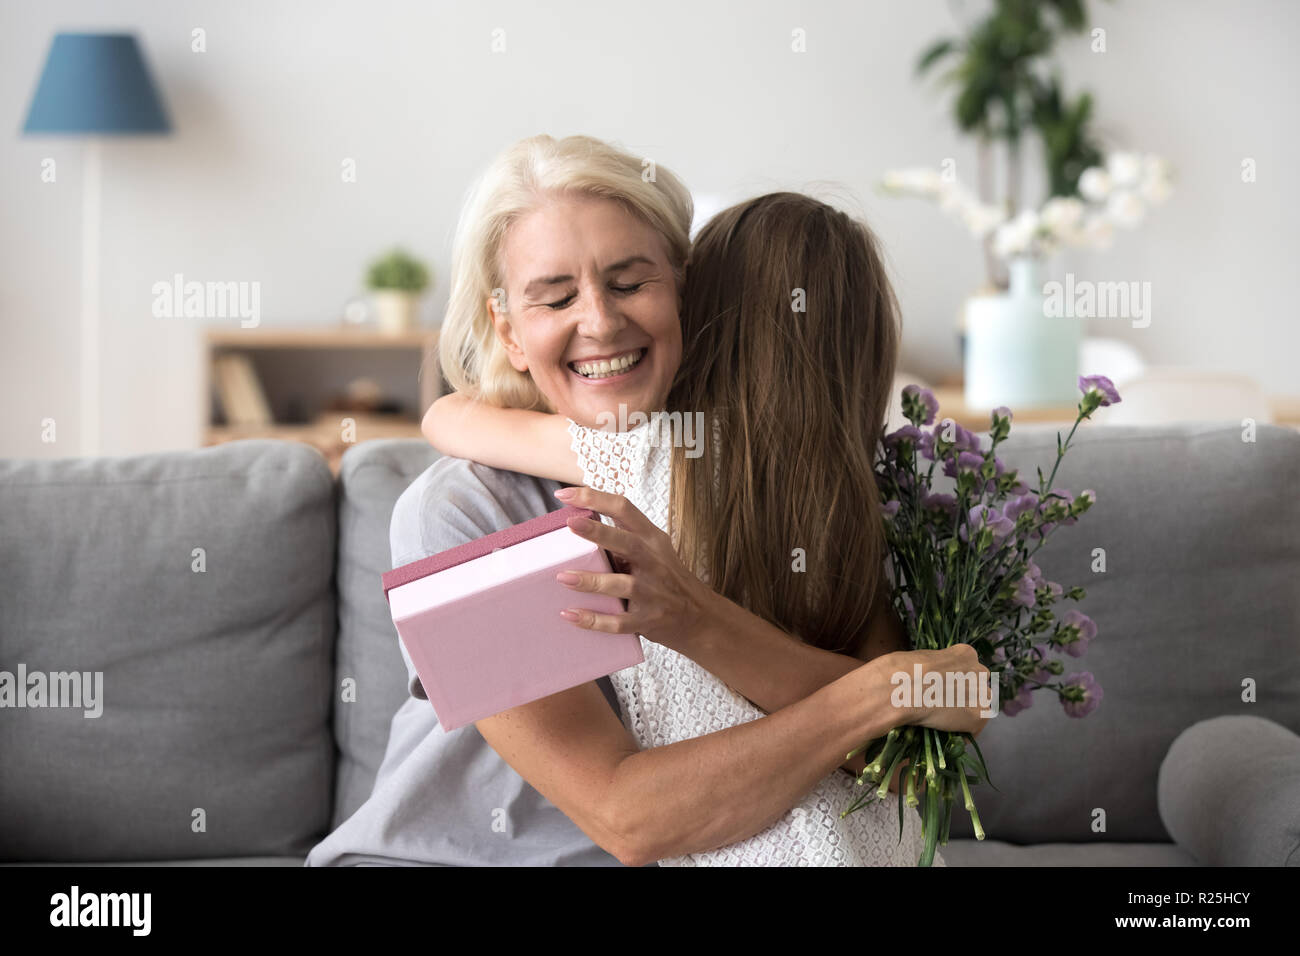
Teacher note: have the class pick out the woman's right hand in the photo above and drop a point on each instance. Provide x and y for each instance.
(957, 716)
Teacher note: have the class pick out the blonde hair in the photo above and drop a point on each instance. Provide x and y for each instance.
(473, 360)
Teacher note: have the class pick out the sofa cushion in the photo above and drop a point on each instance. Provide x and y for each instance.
(198, 584)
(1230, 792)
(372, 476)
(971, 852)
(1201, 534)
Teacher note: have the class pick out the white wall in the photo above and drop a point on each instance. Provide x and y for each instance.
(249, 187)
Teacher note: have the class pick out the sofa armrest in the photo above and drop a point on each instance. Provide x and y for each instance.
(1229, 792)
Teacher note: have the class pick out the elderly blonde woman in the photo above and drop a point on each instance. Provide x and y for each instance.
(567, 286)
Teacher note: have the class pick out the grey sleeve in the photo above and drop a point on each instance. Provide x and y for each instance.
(439, 798)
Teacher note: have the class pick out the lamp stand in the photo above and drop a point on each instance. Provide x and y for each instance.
(90, 192)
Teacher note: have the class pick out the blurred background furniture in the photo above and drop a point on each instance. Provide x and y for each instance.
(222, 689)
(1162, 394)
(328, 387)
(1151, 395)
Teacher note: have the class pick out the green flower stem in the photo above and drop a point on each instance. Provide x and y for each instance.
(947, 810)
(970, 803)
(892, 743)
(1061, 454)
(882, 792)
(930, 826)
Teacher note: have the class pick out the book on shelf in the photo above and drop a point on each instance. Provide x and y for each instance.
(242, 400)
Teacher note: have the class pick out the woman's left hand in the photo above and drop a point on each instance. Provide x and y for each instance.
(666, 603)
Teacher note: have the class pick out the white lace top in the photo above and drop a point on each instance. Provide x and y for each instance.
(669, 697)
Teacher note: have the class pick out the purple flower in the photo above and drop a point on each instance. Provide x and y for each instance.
(922, 442)
(966, 440)
(939, 502)
(1074, 633)
(962, 439)
(919, 405)
(1103, 386)
(983, 516)
(1021, 701)
(1024, 595)
(1014, 507)
(966, 462)
(1081, 694)
(1000, 423)
(1057, 505)
(889, 509)
(1097, 390)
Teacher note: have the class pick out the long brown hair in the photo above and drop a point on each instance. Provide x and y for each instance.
(800, 400)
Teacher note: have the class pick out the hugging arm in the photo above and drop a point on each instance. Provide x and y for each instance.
(512, 439)
(669, 605)
(694, 795)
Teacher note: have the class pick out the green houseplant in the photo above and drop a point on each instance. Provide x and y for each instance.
(1006, 87)
(396, 281)
(1007, 95)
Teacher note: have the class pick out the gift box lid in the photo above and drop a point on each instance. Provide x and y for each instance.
(479, 547)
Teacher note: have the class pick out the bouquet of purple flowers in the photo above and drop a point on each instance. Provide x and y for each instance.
(962, 571)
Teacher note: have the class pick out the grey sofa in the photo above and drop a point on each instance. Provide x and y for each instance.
(230, 597)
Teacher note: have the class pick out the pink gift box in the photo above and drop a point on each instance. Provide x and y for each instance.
(482, 622)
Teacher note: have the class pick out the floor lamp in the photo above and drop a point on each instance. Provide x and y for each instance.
(93, 85)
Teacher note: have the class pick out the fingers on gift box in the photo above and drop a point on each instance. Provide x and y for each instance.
(482, 622)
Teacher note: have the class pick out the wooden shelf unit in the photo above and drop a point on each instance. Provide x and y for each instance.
(304, 367)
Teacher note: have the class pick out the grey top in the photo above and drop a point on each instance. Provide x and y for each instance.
(448, 799)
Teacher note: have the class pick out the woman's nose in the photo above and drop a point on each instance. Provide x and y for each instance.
(601, 318)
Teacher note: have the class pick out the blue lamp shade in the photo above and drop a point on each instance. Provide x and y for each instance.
(95, 83)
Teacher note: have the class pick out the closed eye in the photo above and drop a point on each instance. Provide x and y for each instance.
(567, 300)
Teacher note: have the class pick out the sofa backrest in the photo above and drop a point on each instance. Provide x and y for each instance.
(369, 674)
(208, 588)
(1200, 535)
(197, 585)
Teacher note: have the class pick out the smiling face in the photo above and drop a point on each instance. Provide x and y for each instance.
(592, 308)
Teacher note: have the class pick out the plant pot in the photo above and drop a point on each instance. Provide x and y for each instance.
(395, 311)
(1014, 354)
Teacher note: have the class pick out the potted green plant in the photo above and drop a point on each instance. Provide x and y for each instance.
(396, 281)
(1006, 91)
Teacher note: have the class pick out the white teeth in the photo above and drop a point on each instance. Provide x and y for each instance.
(604, 368)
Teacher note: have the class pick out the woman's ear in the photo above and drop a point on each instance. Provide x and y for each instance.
(505, 331)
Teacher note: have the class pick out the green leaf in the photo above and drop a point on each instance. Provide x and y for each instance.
(980, 754)
(935, 52)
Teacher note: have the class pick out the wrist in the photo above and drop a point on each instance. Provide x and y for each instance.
(708, 620)
(882, 685)
(862, 708)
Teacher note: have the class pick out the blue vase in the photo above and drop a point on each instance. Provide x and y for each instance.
(1014, 354)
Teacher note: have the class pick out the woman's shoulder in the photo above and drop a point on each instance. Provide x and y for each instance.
(455, 500)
